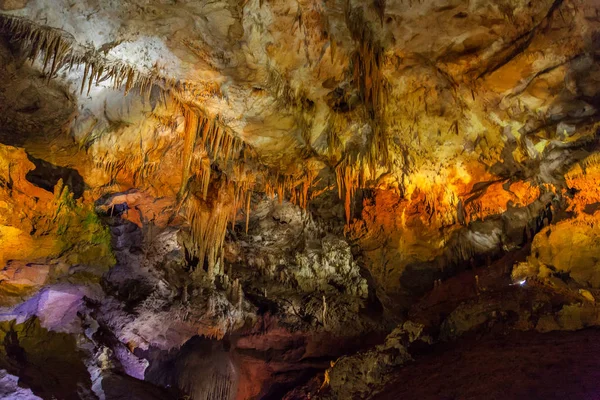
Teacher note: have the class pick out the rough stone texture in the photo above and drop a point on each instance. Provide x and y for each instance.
(16, 273)
(364, 374)
(287, 240)
(11, 5)
(9, 388)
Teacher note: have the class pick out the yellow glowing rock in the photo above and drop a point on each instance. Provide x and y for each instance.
(541, 145)
(588, 295)
(18, 245)
(570, 246)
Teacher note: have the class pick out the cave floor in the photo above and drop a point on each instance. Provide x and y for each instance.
(518, 365)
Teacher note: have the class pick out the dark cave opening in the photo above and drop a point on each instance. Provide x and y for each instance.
(46, 175)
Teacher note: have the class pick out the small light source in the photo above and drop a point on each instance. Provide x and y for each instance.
(522, 282)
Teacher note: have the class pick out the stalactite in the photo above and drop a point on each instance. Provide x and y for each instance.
(209, 215)
(324, 314)
(349, 179)
(219, 143)
(135, 166)
(352, 171)
(248, 199)
(369, 79)
(189, 142)
(214, 199)
(296, 187)
(59, 49)
(208, 224)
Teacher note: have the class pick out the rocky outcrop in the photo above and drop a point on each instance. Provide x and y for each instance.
(364, 374)
(17, 275)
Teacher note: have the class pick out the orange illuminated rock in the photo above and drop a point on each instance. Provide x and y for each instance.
(143, 209)
(585, 179)
(569, 247)
(24, 274)
(19, 279)
(496, 198)
(36, 223)
(397, 230)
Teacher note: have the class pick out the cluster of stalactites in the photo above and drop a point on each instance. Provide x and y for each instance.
(295, 188)
(367, 75)
(135, 165)
(209, 210)
(351, 175)
(205, 141)
(353, 171)
(222, 197)
(209, 217)
(208, 226)
(581, 168)
(220, 388)
(369, 79)
(243, 187)
(60, 50)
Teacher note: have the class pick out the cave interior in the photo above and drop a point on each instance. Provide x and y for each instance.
(299, 199)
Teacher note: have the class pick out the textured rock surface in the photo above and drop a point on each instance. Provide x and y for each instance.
(9, 388)
(10, 5)
(366, 373)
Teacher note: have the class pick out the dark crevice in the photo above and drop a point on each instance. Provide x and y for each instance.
(49, 363)
(46, 175)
